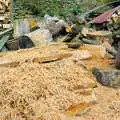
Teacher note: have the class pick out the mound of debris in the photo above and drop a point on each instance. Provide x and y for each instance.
(41, 81)
(51, 82)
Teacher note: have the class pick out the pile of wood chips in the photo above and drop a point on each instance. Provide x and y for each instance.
(52, 86)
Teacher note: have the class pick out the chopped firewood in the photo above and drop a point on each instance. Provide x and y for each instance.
(2, 18)
(6, 25)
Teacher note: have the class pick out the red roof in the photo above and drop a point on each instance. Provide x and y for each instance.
(106, 15)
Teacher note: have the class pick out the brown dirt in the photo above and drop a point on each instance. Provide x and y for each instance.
(34, 91)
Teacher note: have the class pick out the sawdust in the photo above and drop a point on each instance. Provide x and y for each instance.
(34, 91)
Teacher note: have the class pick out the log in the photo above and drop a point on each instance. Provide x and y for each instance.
(6, 31)
(88, 41)
(74, 45)
(74, 34)
(4, 40)
(109, 77)
(111, 51)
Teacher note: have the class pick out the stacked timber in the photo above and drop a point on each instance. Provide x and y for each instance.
(4, 14)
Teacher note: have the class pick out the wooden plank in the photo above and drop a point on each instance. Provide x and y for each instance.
(6, 26)
(1, 25)
(4, 40)
(5, 2)
(2, 18)
(2, 11)
(51, 58)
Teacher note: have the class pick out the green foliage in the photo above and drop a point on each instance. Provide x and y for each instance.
(53, 7)
(56, 7)
(105, 1)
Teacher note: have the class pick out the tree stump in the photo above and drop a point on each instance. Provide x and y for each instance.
(101, 36)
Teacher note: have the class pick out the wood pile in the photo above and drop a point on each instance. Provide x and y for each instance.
(4, 14)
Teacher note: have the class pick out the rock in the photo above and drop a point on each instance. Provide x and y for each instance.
(110, 77)
(49, 18)
(54, 24)
(40, 36)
